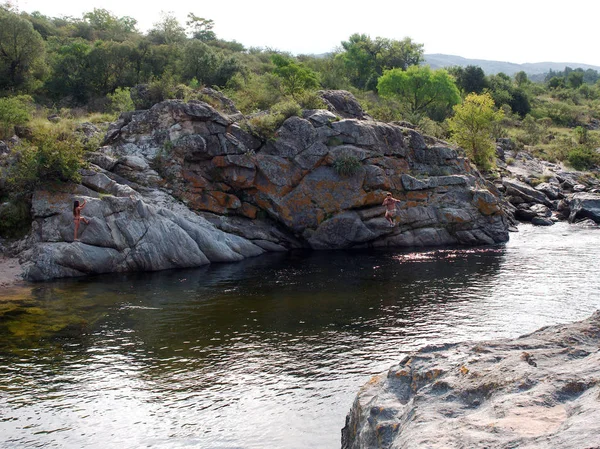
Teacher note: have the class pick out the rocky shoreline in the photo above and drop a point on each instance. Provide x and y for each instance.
(541, 390)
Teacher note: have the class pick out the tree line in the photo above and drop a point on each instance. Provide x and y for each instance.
(95, 60)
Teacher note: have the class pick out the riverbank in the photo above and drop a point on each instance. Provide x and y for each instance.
(539, 390)
(10, 272)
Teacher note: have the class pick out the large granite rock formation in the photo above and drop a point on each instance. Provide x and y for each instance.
(318, 183)
(540, 390)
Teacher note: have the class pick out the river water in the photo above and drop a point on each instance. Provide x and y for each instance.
(267, 353)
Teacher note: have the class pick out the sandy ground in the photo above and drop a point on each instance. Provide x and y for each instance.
(10, 272)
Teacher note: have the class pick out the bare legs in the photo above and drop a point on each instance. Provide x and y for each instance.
(77, 220)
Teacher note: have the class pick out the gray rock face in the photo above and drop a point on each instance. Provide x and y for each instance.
(538, 391)
(124, 234)
(319, 183)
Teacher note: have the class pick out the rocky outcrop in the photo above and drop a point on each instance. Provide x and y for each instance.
(211, 163)
(194, 175)
(563, 195)
(540, 390)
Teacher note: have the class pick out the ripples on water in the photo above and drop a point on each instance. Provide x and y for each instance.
(270, 352)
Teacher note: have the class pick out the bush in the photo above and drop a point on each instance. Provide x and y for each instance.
(582, 158)
(346, 165)
(266, 124)
(14, 111)
(120, 100)
(51, 155)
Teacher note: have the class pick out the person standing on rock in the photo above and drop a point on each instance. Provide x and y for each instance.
(390, 208)
(77, 218)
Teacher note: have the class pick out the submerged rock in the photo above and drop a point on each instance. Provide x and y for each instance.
(540, 390)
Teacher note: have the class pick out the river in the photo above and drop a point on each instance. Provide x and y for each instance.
(269, 352)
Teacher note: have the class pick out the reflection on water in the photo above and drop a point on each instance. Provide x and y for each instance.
(267, 353)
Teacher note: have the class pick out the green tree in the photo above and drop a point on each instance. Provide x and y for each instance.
(366, 59)
(107, 26)
(469, 79)
(472, 126)
(167, 30)
(295, 78)
(200, 28)
(22, 54)
(521, 78)
(575, 79)
(69, 70)
(419, 88)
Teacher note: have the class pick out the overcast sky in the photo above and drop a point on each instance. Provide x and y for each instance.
(511, 30)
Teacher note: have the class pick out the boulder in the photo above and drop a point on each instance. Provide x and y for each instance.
(584, 205)
(538, 390)
(343, 104)
(526, 192)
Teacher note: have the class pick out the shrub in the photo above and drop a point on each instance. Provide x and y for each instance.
(582, 158)
(287, 108)
(120, 100)
(346, 165)
(51, 155)
(14, 111)
(266, 124)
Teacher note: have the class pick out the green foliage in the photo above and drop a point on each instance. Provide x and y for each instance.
(346, 165)
(470, 79)
(106, 26)
(266, 124)
(51, 155)
(167, 30)
(295, 78)
(200, 28)
(254, 93)
(22, 54)
(120, 100)
(208, 66)
(419, 88)
(582, 158)
(365, 60)
(471, 128)
(14, 111)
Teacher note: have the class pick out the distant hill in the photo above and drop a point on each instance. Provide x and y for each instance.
(437, 61)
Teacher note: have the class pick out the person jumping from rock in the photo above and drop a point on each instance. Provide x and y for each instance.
(77, 218)
(390, 208)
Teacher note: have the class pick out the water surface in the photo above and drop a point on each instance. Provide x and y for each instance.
(267, 353)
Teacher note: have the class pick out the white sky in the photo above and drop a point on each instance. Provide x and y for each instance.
(508, 30)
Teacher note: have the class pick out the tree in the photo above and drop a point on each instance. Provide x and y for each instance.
(393, 54)
(575, 79)
(109, 27)
(472, 126)
(469, 79)
(521, 78)
(419, 88)
(22, 54)
(295, 78)
(207, 65)
(366, 59)
(200, 28)
(167, 30)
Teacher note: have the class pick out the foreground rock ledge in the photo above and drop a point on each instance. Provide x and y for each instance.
(540, 390)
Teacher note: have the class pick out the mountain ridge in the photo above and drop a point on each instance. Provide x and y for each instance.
(491, 67)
